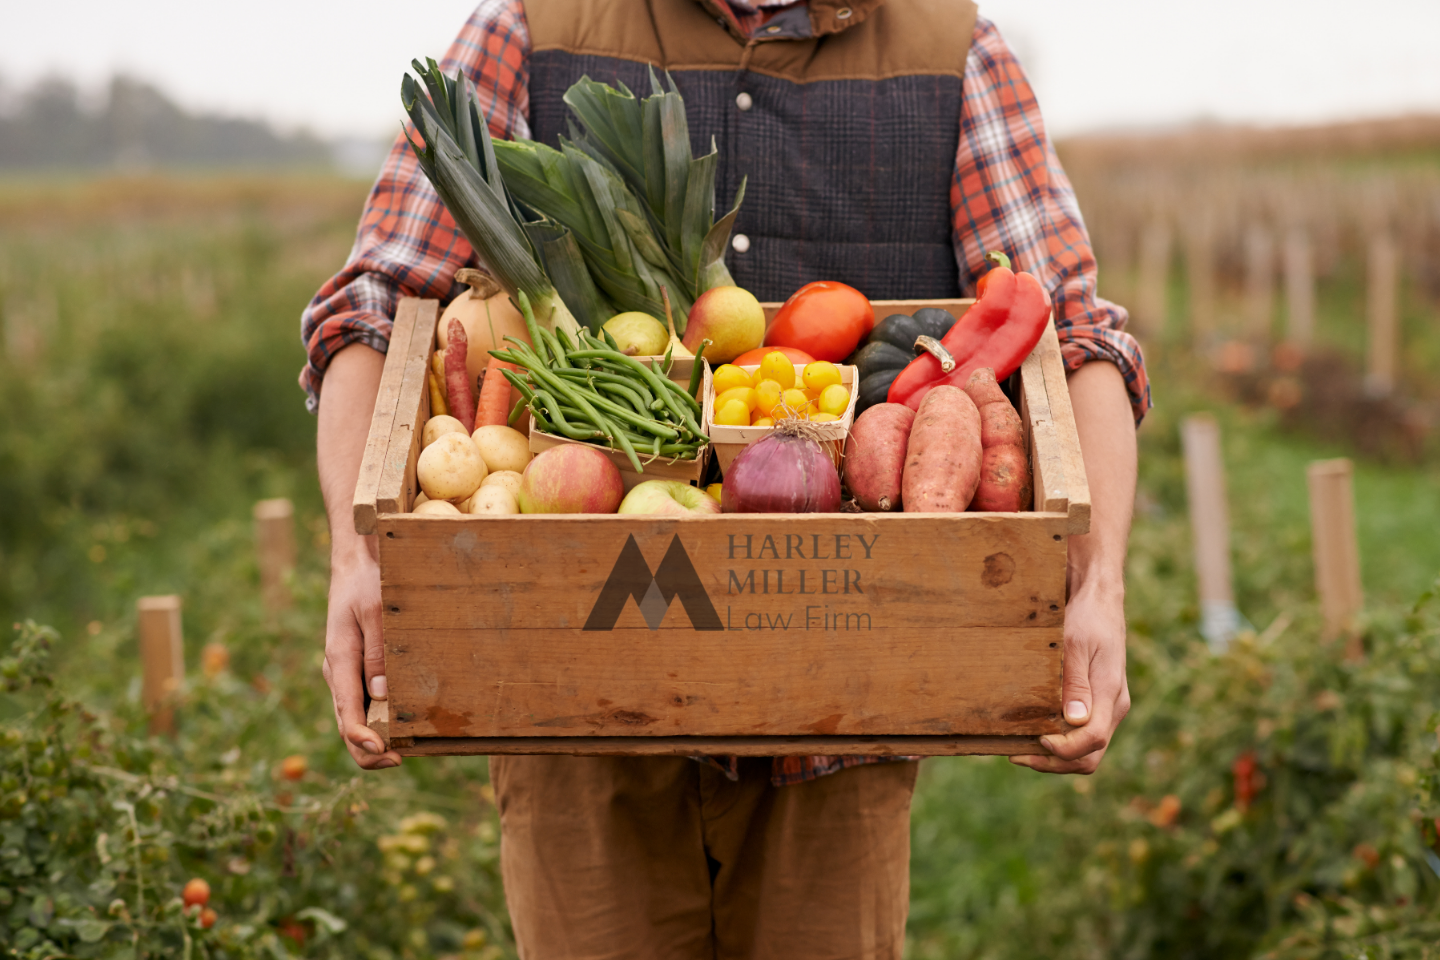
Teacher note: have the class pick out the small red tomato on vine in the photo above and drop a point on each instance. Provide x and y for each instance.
(293, 767)
(196, 892)
(1247, 779)
(208, 918)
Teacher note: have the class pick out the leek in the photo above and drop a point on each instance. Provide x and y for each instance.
(459, 159)
(647, 143)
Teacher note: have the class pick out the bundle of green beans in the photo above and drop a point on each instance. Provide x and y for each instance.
(586, 389)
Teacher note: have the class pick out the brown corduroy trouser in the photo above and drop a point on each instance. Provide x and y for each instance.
(637, 858)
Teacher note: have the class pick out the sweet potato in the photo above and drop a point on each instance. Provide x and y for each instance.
(457, 379)
(1004, 467)
(875, 455)
(942, 455)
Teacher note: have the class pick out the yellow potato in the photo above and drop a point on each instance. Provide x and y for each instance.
(419, 499)
(502, 447)
(494, 500)
(437, 508)
(437, 427)
(507, 479)
(451, 468)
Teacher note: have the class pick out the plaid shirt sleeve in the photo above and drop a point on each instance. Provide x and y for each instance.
(407, 244)
(1010, 193)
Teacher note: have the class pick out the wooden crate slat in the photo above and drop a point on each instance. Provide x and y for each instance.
(382, 422)
(722, 746)
(979, 680)
(396, 488)
(1047, 466)
(1057, 390)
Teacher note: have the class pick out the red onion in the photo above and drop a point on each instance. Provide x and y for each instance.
(786, 472)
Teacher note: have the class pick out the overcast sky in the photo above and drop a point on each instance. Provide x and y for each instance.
(335, 67)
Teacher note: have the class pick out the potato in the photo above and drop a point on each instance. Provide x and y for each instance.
(451, 468)
(1004, 466)
(502, 447)
(436, 508)
(419, 499)
(507, 479)
(494, 500)
(875, 455)
(942, 456)
(437, 427)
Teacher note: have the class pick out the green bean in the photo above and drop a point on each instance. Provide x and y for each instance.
(659, 384)
(697, 371)
(608, 341)
(515, 411)
(552, 406)
(629, 449)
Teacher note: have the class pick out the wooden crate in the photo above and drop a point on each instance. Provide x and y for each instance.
(887, 634)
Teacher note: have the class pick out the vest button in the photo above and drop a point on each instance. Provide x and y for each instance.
(740, 243)
(744, 101)
(843, 13)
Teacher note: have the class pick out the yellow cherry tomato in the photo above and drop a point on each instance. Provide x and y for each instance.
(820, 374)
(778, 367)
(822, 417)
(727, 376)
(733, 414)
(745, 395)
(763, 422)
(713, 490)
(794, 403)
(767, 395)
(834, 399)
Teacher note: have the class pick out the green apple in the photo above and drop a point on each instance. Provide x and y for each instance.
(674, 498)
(638, 334)
(730, 318)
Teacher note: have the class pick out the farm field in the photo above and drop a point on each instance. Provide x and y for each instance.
(148, 378)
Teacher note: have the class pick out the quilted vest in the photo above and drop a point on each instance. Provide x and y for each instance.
(847, 138)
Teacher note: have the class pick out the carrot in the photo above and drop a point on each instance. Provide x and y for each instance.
(496, 394)
(457, 379)
(437, 396)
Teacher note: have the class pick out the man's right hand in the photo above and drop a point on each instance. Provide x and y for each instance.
(355, 655)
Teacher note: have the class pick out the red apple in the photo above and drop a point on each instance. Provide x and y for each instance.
(674, 498)
(571, 478)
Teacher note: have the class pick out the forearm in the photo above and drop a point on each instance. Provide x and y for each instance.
(347, 404)
(1106, 425)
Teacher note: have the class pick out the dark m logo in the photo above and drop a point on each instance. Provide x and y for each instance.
(653, 592)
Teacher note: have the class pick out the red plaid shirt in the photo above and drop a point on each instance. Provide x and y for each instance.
(1008, 193)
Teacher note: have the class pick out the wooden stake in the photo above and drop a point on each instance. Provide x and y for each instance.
(1259, 284)
(1210, 525)
(275, 546)
(1382, 279)
(162, 656)
(1200, 274)
(1153, 283)
(1299, 289)
(1337, 557)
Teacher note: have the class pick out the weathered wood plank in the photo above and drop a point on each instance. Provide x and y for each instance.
(1057, 390)
(724, 746)
(1047, 466)
(396, 489)
(382, 421)
(634, 681)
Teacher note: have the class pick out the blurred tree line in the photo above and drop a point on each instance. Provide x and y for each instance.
(48, 126)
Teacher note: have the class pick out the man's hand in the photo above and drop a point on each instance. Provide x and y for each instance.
(1095, 692)
(354, 653)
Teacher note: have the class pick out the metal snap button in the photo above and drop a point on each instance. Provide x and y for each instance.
(773, 28)
(843, 13)
(740, 243)
(744, 101)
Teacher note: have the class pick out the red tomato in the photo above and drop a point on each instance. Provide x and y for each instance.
(195, 893)
(825, 319)
(208, 918)
(752, 358)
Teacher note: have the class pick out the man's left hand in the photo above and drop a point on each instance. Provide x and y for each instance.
(1096, 693)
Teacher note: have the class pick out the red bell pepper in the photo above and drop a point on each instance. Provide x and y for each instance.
(999, 332)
